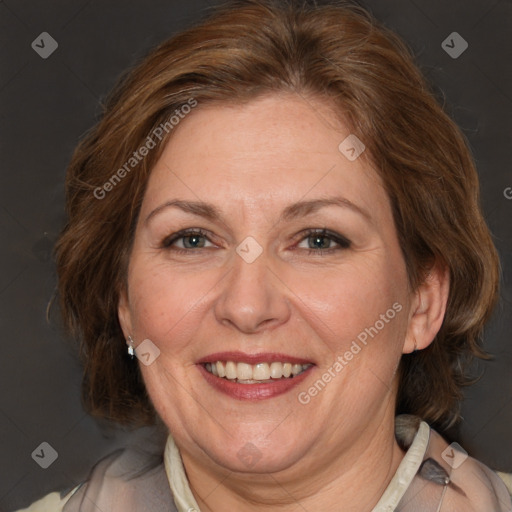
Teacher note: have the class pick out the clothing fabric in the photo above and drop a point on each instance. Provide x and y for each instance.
(432, 477)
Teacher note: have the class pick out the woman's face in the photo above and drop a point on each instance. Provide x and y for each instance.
(257, 287)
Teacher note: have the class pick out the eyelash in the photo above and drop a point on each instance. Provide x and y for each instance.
(343, 243)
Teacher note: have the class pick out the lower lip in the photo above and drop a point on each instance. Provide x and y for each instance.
(253, 391)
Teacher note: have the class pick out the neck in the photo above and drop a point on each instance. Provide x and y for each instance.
(356, 476)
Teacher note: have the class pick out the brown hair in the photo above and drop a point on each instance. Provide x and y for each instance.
(248, 48)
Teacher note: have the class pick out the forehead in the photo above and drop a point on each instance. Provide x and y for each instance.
(278, 148)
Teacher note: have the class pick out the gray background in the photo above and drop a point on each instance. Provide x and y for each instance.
(47, 104)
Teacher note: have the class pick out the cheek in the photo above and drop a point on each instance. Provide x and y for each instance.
(351, 299)
(165, 305)
(359, 315)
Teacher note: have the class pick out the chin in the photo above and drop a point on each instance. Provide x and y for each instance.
(256, 454)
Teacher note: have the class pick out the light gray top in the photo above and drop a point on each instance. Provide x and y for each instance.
(432, 477)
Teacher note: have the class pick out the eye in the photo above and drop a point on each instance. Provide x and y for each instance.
(190, 239)
(320, 241)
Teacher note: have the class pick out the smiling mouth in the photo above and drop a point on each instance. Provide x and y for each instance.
(260, 373)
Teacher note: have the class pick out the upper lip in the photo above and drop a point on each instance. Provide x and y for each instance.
(262, 357)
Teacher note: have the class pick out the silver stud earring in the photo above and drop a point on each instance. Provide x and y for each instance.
(131, 350)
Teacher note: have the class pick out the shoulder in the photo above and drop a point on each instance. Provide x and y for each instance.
(472, 486)
(53, 502)
(119, 479)
(507, 479)
(127, 480)
(56, 501)
(436, 474)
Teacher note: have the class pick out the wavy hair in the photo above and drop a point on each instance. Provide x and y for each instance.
(337, 52)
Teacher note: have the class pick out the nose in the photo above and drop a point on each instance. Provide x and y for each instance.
(253, 298)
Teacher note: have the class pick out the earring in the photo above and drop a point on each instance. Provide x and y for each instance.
(131, 350)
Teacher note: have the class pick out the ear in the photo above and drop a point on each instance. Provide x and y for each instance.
(124, 314)
(428, 309)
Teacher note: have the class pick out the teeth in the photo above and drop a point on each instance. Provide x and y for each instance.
(296, 369)
(244, 371)
(261, 371)
(276, 370)
(221, 370)
(250, 373)
(231, 372)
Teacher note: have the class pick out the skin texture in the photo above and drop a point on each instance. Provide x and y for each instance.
(251, 161)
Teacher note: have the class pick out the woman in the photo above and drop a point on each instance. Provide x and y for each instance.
(278, 219)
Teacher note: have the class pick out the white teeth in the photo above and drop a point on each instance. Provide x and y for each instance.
(262, 371)
(276, 370)
(244, 371)
(231, 372)
(296, 369)
(221, 370)
(250, 373)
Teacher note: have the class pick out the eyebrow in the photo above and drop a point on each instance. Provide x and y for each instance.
(291, 212)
